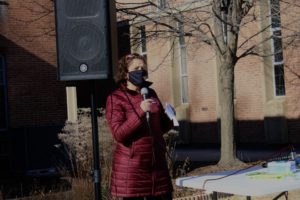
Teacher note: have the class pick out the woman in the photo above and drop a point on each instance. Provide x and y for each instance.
(139, 168)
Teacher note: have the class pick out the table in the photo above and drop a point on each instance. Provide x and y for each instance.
(238, 182)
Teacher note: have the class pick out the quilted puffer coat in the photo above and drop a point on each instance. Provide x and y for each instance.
(139, 164)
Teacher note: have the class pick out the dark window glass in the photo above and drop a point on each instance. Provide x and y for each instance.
(275, 13)
(279, 80)
(145, 56)
(277, 41)
(143, 39)
(181, 31)
(162, 4)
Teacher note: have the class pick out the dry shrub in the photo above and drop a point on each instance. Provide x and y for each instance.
(77, 141)
(171, 139)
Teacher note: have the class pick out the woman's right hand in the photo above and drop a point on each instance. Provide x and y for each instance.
(146, 105)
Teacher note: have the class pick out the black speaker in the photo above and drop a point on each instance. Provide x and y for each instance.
(83, 38)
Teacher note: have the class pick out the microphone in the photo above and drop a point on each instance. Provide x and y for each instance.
(144, 92)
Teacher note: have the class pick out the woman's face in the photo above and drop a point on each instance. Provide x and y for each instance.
(136, 64)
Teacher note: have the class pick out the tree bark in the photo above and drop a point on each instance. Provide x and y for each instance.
(226, 100)
(226, 22)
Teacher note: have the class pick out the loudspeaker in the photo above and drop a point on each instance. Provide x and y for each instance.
(84, 31)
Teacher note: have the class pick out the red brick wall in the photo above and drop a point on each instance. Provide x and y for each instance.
(290, 16)
(35, 96)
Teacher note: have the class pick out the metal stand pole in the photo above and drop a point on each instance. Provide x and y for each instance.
(214, 196)
(96, 171)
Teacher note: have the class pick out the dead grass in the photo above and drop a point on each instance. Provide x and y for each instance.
(83, 189)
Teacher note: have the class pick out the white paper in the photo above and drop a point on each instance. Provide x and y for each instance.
(169, 110)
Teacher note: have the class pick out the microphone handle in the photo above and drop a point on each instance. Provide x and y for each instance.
(147, 112)
(147, 116)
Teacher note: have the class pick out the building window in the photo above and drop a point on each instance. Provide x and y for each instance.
(278, 64)
(182, 64)
(143, 41)
(277, 46)
(275, 14)
(279, 79)
(3, 103)
(3, 6)
(162, 4)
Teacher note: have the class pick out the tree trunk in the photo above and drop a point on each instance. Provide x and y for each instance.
(226, 49)
(226, 84)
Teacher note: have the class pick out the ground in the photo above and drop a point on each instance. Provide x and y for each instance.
(82, 189)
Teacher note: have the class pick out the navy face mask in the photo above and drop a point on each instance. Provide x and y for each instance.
(137, 77)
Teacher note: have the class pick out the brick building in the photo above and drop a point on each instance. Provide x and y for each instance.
(33, 104)
(184, 71)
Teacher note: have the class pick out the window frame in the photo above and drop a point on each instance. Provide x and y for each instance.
(277, 57)
(184, 94)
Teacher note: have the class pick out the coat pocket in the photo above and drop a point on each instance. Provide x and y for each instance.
(123, 150)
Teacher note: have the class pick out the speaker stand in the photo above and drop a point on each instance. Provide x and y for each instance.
(96, 171)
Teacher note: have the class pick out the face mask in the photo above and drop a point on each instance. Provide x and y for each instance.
(137, 77)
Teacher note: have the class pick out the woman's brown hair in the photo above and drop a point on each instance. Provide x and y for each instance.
(123, 64)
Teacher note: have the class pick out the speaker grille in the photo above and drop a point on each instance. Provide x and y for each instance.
(84, 42)
(86, 8)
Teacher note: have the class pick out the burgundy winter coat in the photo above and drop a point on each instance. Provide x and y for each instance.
(139, 165)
